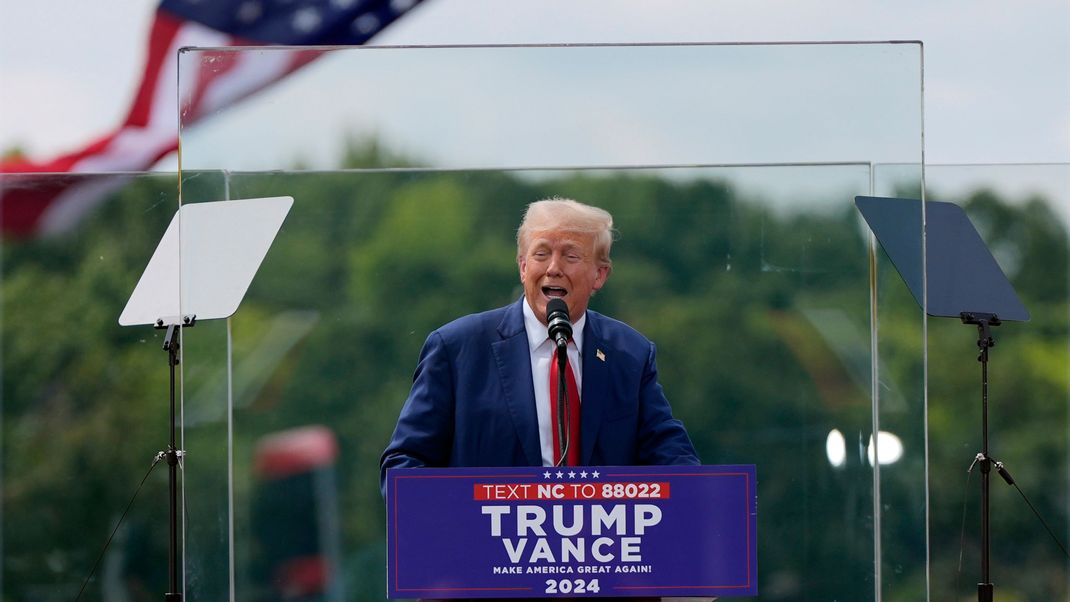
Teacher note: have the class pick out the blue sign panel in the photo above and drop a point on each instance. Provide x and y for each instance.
(572, 531)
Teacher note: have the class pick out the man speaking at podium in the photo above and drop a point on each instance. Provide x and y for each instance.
(484, 391)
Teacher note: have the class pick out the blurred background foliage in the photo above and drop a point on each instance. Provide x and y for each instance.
(760, 314)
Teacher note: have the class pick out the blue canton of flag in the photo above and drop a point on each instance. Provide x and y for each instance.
(290, 22)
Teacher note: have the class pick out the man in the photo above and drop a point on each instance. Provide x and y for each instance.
(481, 392)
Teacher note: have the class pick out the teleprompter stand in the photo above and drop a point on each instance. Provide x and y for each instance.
(200, 271)
(173, 456)
(985, 322)
(960, 279)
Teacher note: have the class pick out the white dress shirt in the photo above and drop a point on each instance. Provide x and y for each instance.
(541, 348)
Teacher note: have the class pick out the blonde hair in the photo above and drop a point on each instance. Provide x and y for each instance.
(567, 215)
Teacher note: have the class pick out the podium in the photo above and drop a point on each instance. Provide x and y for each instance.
(575, 531)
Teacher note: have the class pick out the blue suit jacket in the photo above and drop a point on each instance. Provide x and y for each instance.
(472, 402)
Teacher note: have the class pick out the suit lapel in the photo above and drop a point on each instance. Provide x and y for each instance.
(514, 371)
(594, 396)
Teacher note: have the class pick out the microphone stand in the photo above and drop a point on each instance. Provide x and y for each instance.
(173, 455)
(562, 399)
(984, 322)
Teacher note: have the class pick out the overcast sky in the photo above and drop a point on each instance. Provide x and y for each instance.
(997, 73)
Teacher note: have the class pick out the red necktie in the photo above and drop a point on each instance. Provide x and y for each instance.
(572, 412)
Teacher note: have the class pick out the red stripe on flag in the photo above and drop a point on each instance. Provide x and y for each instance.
(27, 204)
(165, 28)
(21, 208)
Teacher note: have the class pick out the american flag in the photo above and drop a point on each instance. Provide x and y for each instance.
(38, 204)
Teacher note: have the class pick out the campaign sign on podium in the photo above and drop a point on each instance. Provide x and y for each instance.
(572, 531)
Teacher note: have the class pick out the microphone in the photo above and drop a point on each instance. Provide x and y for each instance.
(559, 326)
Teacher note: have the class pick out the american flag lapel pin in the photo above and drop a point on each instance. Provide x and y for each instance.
(600, 355)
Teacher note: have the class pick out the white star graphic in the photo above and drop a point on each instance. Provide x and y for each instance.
(572, 474)
(250, 11)
(400, 6)
(546, 475)
(594, 475)
(307, 19)
(560, 474)
(583, 474)
(365, 24)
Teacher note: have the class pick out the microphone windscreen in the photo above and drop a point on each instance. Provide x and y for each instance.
(556, 305)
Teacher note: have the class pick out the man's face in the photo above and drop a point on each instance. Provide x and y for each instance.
(560, 264)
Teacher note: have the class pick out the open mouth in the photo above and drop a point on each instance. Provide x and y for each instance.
(554, 291)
